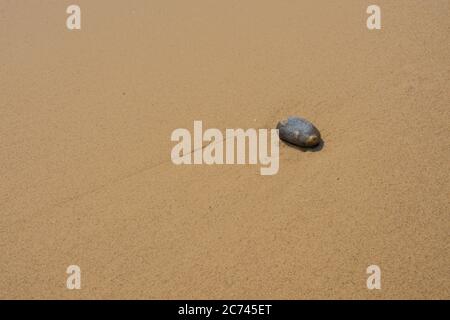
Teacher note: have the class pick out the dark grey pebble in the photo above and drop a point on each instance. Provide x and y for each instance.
(299, 132)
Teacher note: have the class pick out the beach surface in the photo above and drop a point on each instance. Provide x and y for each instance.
(86, 118)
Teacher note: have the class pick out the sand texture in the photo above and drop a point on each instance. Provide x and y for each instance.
(86, 176)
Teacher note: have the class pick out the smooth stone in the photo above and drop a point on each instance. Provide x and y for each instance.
(300, 132)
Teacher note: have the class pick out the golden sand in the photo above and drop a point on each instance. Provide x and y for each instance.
(86, 175)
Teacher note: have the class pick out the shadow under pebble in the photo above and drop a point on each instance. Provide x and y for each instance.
(318, 148)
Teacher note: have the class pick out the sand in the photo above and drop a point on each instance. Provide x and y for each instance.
(87, 179)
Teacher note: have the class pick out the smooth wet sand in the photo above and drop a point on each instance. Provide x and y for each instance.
(86, 176)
